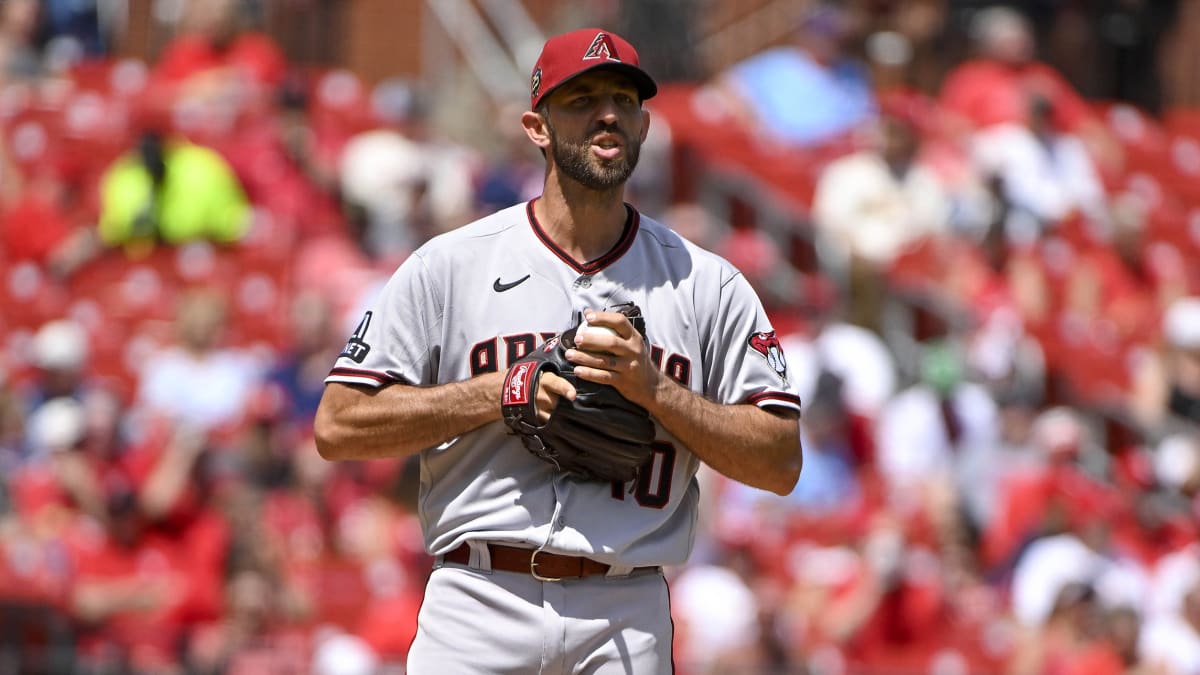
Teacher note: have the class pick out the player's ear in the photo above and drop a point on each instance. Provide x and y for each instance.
(645, 123)
(536, 129)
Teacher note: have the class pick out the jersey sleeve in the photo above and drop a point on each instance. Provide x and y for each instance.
(393, 341)
(744, 360)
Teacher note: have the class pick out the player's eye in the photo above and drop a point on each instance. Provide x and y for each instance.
(624, 99)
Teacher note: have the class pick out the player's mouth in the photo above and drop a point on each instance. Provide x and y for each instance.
(607, 146)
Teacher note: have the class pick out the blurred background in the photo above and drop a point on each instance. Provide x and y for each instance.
(976, 227)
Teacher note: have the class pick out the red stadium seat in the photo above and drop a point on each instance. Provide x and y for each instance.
(27, 297)
(1184, 121)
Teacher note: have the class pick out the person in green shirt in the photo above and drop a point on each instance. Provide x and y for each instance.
(171, 191)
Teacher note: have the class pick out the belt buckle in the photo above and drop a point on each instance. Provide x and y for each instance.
(533, 568)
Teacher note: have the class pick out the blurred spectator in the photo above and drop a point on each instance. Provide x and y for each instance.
(340, 653)
(869, 205)
(1000, 85)
(289, 170)
(199, 382)
(696, 223)
(1177, 469)
(1046, 175)
(886, 609)
(757, 255)
(12, 424)
(830, 488)
(1071, 640)
(73, 452)
(218, 55)
(83, 22)
(54, 472)
(19, 55)
(384, 180)
(984, 466)
(1170, 640)
(1113, 49)
(1117, 282)
(253, 634)
(133, 614)
(170, 191)
(716, 618)
(59, 355)
(1172, 643)
(924, 427)
(809, 92)
(513, 174)
(406, 184)
(1048, 495)
(1053, 565)
(858, 357)
(40, 224)
(829, 482)
(1166, 389)
(301, 367)
(905, 43)
(872, 203)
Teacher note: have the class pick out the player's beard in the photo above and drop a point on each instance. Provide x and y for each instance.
(576, 161)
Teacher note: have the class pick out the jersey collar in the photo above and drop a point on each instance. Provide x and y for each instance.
(592, 266)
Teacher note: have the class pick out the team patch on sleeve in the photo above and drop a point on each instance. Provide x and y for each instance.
(356, 348)
(767, 345)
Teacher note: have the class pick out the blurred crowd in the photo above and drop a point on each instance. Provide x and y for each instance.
(985, 283)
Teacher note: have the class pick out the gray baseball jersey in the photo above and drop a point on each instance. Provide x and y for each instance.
(478, 298)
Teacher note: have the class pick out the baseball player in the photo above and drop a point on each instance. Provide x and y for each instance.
(537, 569)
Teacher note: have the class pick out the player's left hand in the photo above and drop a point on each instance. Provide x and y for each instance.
(619, 357)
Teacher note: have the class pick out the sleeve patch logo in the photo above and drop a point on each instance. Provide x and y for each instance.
(767, 345)
(356, 348)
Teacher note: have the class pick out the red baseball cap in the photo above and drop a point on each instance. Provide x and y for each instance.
(570, 54)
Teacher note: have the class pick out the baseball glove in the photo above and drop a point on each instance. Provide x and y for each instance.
(599, 436)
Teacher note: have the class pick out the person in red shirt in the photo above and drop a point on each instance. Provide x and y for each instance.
(43, 223)
(215, 69)
(214, 37)
(136, 589)
(1071, 642)
(255, 634)
(998, 85)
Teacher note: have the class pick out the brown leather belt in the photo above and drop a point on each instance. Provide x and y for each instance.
(540, 564)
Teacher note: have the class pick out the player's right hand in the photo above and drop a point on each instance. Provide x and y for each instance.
(550, 388)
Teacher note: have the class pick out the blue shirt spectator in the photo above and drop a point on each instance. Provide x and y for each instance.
(799, 100)
(807, 92)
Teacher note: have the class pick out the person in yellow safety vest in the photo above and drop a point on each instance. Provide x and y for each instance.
(170, 191)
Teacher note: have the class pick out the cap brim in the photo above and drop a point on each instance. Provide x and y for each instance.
(646, 85)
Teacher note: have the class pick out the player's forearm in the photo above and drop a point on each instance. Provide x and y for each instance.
(744, 442)
(400, 420)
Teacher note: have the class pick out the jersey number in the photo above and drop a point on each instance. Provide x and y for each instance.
(653, 487)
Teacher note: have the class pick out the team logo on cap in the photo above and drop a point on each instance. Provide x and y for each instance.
(535, 83)
(601, 48)
(767, 345)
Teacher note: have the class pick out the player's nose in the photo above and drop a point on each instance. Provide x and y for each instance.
(607, 110)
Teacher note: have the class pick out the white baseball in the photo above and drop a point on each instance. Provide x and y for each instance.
(594, 330)
(585, 327)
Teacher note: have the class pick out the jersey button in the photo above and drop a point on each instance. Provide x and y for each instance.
(584, 281)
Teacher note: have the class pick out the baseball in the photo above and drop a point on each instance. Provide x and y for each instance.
(585, 327)
(595, 330)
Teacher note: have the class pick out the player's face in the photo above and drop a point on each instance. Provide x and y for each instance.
(595, 127)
